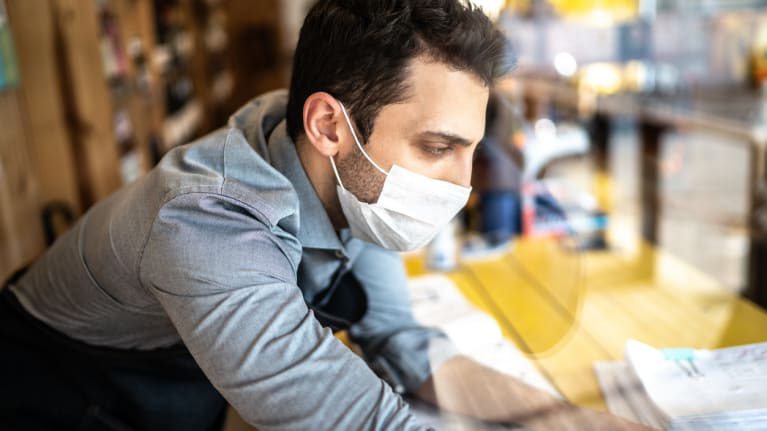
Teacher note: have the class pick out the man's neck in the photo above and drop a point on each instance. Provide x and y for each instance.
(322, 178)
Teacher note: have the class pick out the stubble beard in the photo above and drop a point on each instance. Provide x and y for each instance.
(360, 177)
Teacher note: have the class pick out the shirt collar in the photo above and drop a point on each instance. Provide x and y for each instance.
(315, 229)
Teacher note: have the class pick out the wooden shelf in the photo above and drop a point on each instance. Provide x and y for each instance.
(108, 86)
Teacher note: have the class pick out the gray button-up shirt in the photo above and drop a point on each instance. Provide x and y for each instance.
(219, 247)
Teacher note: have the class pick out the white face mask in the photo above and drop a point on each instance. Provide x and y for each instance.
(410, 211)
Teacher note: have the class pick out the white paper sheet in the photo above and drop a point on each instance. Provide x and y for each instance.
(437, 302)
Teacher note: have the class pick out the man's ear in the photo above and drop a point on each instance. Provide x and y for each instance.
(321, 113)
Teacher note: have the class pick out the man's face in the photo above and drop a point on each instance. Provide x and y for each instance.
(434, 132)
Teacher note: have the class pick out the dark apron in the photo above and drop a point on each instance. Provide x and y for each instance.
(343, 303)
(49, 381)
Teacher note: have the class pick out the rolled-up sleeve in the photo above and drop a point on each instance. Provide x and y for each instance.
(225, 280)
(399, 349)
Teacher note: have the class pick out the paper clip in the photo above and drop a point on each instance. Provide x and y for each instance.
(683, 356)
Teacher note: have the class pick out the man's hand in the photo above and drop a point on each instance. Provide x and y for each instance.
(464, 386)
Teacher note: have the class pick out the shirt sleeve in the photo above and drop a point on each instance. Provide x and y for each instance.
(228, 286)
(398, 348)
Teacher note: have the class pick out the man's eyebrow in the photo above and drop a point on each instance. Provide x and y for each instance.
(447, 137)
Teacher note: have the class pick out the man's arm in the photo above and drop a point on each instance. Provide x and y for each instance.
(222, 278)
(464, 386)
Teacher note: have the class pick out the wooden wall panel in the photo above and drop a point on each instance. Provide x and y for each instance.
(21, 237)
(50, 150)
(87, 92)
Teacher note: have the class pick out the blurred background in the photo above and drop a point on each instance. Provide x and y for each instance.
(638, 121)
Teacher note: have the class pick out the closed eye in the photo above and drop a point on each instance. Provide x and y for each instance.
(436, 150)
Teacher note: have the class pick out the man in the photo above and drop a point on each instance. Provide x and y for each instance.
(224, 269)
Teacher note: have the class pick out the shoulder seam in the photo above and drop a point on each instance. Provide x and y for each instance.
(223, 160)
(275, 240)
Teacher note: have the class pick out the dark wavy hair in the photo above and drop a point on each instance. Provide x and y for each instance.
(359, 51)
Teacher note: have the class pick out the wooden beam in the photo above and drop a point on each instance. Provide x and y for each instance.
(20, 229)
(42, 104)
(90, 109)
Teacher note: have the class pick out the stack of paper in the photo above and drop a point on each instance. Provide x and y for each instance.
(624, 394)
(686, 389)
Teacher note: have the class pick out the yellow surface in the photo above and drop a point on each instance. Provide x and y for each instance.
(567, 309)
(580, 7)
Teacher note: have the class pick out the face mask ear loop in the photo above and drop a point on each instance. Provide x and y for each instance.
(357, 141)
(335, 171)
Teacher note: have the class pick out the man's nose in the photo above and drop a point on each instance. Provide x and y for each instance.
(461, 174)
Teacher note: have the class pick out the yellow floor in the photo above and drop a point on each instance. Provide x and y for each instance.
(567, 309)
